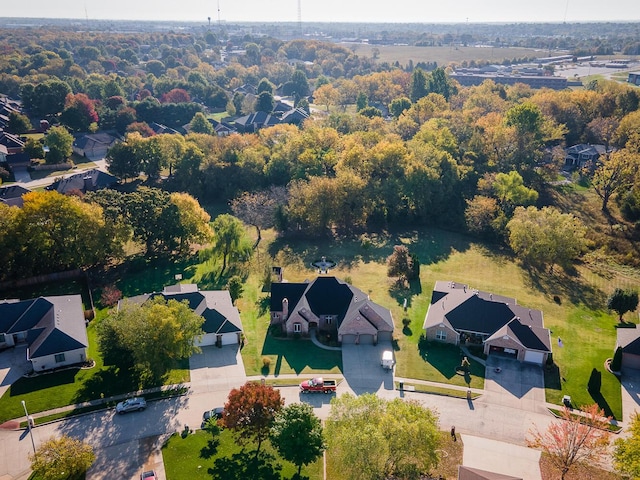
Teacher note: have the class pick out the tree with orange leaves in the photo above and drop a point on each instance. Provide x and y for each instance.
(576, 438)
(251, 410)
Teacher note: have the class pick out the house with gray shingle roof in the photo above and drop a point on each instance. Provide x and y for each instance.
(12, 195)
(53, 328)
(222, 324)
(86, 181)
(331, 306)
(629, 340)
(458, 314)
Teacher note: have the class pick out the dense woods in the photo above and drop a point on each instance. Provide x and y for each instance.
(386, 146)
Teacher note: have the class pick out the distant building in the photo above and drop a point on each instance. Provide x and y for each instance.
(87, 181)
(534, 81)
(577, 156)
(634, 78)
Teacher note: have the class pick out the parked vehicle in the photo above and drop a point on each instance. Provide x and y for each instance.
(135, 404)
(387, 360)
(318, 385)
(148, 475)
(216, 413)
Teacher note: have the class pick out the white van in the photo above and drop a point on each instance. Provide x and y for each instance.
(387, 360)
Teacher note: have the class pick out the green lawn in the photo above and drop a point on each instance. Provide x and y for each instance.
(195, 457)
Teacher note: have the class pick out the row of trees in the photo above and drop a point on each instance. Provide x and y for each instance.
(54, 232)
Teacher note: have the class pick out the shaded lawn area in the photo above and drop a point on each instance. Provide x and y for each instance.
(198, 457)
(68, 387)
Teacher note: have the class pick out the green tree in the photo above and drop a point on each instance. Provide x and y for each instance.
(265, 102)
(399, 106)
(62, 458)
(265, 86)
(235, 287)
(123, 162)
(418, 85)
(297, 435)
(546, 236)
(626, 454)
(438, 82)
(61, 232)
(616, 173)
(230, 239)
(200, 124)
(362, 101)
(60, 143)
(193, 221)
(510, 190)
(300, 83)
(33, 148)
(250, 412)
(155, 334)
(19, 123)
(623, 301)
(402, 265)
(404, 435)
(574, 438)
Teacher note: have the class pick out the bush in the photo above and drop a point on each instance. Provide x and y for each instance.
(266, 362)
(616, 363)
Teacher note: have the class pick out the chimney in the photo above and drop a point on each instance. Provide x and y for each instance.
(285, 309)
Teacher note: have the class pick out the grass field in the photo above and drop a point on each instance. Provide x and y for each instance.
(443, 56)
(198, 457)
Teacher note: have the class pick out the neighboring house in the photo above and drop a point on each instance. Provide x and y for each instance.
(53, 329)
(246, 89)
(634, 78)
(629, 340)
(87, 181)
(294, 117)
(255, 121)
(159, 129)
(331, 306)
(12, 195)
(222, 129)
(93, 146)
(460, 315)
(468, 473)
(3, 153)
(577, 156)
(222, 324)
(13, 143)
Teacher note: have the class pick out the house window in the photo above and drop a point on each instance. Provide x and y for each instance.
(59, 357)
(329, 318)
(297, 328)
(441, 334)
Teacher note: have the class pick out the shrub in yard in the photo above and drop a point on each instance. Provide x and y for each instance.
(110, 296)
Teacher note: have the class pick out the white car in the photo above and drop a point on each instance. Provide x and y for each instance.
(136, 404)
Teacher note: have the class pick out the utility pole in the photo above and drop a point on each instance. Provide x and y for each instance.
(29, 422)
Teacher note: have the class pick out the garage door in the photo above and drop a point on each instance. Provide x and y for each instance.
(229, 338)
(533, 357)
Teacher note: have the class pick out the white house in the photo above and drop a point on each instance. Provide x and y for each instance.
(53, 328)
(222, 324)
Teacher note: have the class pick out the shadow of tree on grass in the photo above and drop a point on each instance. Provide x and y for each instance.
(247, 467)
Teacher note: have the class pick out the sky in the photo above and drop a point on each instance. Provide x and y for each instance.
(403, 11)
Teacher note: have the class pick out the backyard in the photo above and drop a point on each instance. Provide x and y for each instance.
(573, 307)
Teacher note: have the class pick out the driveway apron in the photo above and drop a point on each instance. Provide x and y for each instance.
(362, 370)
(511, 383)
(217, 369)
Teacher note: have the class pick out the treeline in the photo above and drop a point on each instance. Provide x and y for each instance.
(54, 232)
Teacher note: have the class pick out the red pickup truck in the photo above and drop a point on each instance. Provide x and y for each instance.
(318, 385)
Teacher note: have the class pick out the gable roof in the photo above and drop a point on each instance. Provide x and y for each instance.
(327, 295)
(10, 140)
(12, 195)
(89, 180)
(215, 307)
(53, 324)
(629, 339)
(467, 310)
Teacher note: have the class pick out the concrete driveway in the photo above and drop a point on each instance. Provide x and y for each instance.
(217, 369)
(362, 370)
(13, 364)
(501, 457)
(516, 384)
(630, 383)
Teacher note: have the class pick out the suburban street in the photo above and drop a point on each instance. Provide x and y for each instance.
(125, 444)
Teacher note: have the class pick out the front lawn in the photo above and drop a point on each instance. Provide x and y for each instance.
(196, 457)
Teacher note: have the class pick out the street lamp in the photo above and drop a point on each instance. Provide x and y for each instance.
(33, 444)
